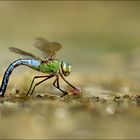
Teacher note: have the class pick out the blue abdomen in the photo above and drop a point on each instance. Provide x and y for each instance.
(31, 63)
(28, 62)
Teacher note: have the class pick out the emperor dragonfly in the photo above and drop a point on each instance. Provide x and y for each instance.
(50, 65)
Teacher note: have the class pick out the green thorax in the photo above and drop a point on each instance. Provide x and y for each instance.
(52, 66)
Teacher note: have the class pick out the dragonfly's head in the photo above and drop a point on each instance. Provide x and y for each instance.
(66, 68)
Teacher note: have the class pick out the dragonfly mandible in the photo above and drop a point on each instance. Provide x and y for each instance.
(51, 66)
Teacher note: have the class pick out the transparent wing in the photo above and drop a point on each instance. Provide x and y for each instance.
(48, 48)
(23, 53)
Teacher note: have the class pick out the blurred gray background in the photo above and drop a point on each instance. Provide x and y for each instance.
(100, 39)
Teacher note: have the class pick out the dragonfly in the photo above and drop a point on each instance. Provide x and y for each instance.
(49, 65)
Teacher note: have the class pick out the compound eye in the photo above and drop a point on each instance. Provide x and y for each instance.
(66, 68)
(69, 68)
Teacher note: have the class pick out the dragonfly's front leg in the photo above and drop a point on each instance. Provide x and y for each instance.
(67, 81)
(36, 77)
(56, 84)
(74, 91)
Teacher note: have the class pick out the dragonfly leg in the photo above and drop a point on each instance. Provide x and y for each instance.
(67, 81)
(56, 84)
(48, 77)
(36, 77)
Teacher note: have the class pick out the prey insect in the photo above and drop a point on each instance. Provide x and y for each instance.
(51, 66)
